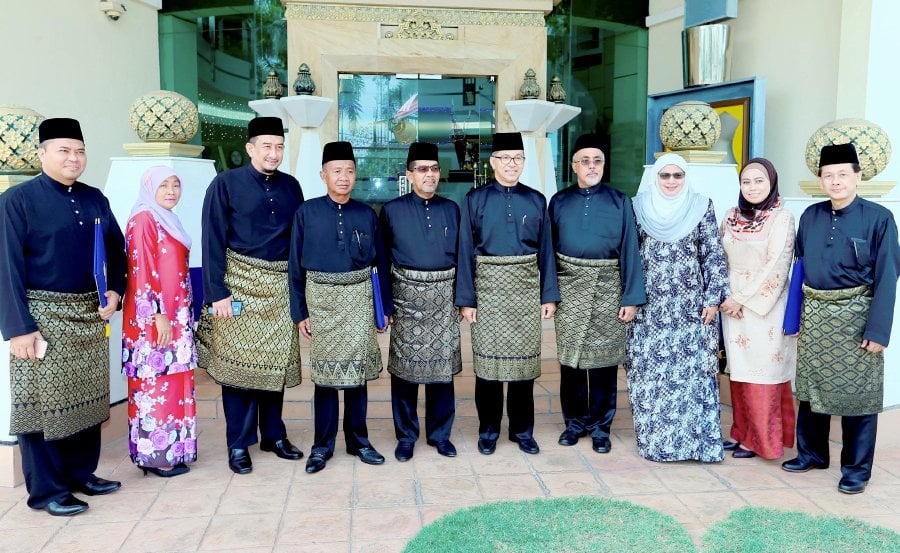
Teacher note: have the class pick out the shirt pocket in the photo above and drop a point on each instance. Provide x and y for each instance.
(859, 248)
(361, 248)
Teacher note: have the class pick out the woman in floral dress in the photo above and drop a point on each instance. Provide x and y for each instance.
(758, 236)
(673, 340)
(158, 353)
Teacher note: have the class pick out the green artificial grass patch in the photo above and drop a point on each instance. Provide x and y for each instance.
(762, 530)
(567, 525)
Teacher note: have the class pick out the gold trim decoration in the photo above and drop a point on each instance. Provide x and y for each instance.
(873, 145)
(19, 140)
(420, 26)
(697, 156)
(160, 149)
(448, 17)
(8, 181)
(164, 116)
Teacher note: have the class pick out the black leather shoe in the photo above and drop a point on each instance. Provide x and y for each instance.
(404, 451)
(601, 445)
(239, 461)
(799, 465)
(851, 486)
(528, 445)
(445, 448)
(282, 448)
(180, 468)
(66, 507)
(486, 447)
(98, 486)
(728, 445)
(316, 462)
(367, 455)
(741, 453)
(570, 437)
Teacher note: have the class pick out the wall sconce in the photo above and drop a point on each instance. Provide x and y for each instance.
(112, 10)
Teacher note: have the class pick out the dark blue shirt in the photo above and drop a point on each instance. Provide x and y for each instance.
(334, 238)
(420, 233)
(249, 213)
(598, 223)
(47, 243)
(856, 245)
(502, 220)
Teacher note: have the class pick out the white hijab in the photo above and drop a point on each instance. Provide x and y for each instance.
(668, 218)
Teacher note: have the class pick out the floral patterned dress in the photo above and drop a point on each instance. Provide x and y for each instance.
(161, 407)
(672, 362)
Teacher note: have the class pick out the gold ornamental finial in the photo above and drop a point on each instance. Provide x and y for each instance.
(304, 85)
(556, 94)
(273, 88)
(530, 89)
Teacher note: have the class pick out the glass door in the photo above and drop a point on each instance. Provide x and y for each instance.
(381, 115)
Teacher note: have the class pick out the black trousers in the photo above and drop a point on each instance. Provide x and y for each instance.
(858, 450)
(440, 410)
(325, 412)
(55, 467)
(245, 410)
(519, 408)
(588, 399)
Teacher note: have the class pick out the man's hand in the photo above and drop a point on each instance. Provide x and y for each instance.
(469, 314)
(163, 330)
(548, 309)
(305, 328)
(112, 303)
(871, 347)
(222, 308)
(709, 314)
(387, 323)
(627, 312)
(23, 346)
(733, 308)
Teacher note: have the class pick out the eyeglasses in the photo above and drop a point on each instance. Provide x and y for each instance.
(676, 176)
(505, 160)
(587, 162)
(423, 169)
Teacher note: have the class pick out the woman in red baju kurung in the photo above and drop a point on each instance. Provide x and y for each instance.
(158, 353)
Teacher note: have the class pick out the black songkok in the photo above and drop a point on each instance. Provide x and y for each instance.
(507, 141)
(423, 151)
(265, 125)
(61, 127)
(838, 153)
(587, 141)
(338, 151)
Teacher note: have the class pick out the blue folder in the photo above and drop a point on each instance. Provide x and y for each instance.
(794, 300)
(379, 306)
(100, 262)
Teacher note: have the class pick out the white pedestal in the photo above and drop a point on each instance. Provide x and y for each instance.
(534, 119)
(308, 112)
(892, 354)
(122, 187)
(719, 181)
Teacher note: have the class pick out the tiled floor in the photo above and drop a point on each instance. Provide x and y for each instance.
(355, 507)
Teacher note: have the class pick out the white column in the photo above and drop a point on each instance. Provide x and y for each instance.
(308, 112)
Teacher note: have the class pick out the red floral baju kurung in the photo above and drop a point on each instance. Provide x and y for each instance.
(161, 408)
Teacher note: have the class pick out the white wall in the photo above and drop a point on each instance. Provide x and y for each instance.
(884, 82)
(65, 58)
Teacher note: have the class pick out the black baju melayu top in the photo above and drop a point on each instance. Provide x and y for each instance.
(419, 233)
(598, 223)
(249, 213)
(334, 238)
(853, 246)
(47, 243)
(502, 220)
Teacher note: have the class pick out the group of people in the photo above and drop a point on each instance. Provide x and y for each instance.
(636, 284)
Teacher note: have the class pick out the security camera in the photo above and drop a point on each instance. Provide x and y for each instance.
(112, 10)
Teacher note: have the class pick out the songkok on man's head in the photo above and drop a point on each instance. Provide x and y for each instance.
(589, 140)
(338, 151)
(838, 153)
(271, 126)
(507, 141)
(61, 127)
(422, 151)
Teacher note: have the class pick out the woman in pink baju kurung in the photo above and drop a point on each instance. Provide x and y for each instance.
(758, 237)
(158, 353)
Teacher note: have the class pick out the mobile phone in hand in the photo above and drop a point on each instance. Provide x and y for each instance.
(40, 348)
(236, 308)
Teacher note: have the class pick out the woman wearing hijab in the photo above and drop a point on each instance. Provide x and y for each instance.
(158, 353)
(673, 340)
(758, 236)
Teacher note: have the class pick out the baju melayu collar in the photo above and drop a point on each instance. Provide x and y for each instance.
(420, 233)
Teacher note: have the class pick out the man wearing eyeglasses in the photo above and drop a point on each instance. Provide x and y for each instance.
(420, 231)
(601, 282)
(506, 284)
